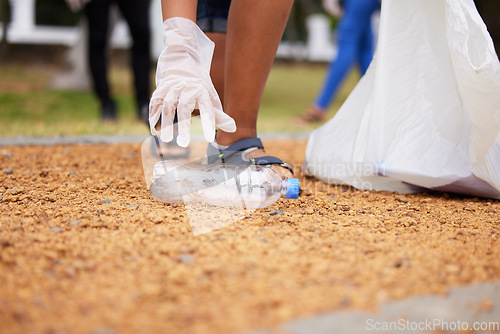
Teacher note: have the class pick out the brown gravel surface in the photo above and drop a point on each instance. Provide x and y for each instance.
(85, 249)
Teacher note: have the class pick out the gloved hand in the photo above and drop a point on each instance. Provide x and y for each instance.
(76, 5)
(183, 83)
(333, 7)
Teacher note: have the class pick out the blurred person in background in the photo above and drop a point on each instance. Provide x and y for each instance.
(356, 45)
(136, 14)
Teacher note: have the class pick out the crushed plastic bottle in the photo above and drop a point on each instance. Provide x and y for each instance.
(220, 184)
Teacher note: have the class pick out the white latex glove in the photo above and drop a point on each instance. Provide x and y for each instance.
(333, 7)
(183, 83)
(76, 5)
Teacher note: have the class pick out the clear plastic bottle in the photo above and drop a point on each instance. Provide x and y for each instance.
(220, 184)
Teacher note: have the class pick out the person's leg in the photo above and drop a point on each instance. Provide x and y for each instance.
(212, 20)
(97, 14)
(217, 71)
(254, 32)
(136, 13)
(367, 46)
(351, 32)
(366, 51)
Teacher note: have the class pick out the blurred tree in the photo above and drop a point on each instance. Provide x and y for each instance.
(4, 18)
(296, 28)
(54, 13)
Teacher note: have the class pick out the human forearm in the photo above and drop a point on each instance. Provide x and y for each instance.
(179, 8)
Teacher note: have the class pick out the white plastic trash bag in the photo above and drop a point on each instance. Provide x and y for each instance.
(427, 112)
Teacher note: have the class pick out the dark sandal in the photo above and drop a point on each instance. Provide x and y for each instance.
(235, 154)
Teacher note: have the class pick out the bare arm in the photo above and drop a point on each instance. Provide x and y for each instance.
(179, 8)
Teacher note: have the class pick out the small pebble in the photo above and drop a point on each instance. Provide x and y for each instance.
(486, 305)
(7, 154)
(263, 239)
(277, 212)
(56, 229)
(103, 331)
(132, 207)
(346, 301)
(107, 201)
(345, 207)
(74, 222)
(129, 155)
(401, 199)
(15, 191)
(8, 171)
(5, 243)
(186, 258)
(1, 197)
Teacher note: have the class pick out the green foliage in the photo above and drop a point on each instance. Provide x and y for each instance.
(47, 12)
(54, 13)
(295, 29)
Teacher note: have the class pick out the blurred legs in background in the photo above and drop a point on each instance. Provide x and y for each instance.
(355, 45)
(136, 14)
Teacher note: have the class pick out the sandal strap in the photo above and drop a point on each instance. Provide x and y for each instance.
(233, 154)
(244, 144)
(271, 161)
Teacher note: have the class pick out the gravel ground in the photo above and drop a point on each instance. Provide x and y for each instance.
(85, 249)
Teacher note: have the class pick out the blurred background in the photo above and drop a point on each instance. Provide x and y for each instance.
(45, 87)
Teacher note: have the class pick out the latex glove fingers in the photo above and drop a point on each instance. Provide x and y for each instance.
(155, 107)
(168, 111)
(211, 115)
(207, 116)
(155, 110)
(183, 83)
(159, 104)
(224, 121)
(185, 107)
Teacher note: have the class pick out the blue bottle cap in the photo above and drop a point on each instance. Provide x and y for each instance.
(292, 188)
